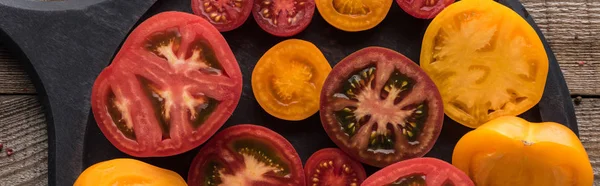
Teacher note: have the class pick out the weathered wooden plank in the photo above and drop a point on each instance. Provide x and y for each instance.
(588, 118)
(13, 78)
(572, 28)
(23, 129)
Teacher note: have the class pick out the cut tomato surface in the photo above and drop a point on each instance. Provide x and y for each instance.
(419, 171)
(353, 15)
(287, 80)
(225, 15)
(380, 107)
(172, 84)
(331, 166)
(486, 60)
(424, 9)
(247, 155)
(283, 17)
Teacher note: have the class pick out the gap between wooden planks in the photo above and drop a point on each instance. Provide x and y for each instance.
(572, 28)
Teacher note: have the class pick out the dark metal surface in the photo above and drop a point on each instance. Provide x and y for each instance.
(67, 44)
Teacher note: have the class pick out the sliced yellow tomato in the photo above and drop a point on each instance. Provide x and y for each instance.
(288, 78)
(353, 15)
(486, 60)
(125, 171)
(512, 151)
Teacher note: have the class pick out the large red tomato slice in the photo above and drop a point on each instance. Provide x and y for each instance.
(419, 171)
(424, 9)
(283, 17)
(173, 83)
(332, 167)
(225, 15)
(380, 107)
(247, 155)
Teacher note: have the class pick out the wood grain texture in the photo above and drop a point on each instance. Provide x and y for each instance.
(588, 118)
(23, 129)
(13, 78)
(572, 28)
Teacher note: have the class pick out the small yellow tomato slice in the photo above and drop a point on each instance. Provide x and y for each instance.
(288, 78)
(486, 60)
(353, 15)
(512, 151)
(125, 171)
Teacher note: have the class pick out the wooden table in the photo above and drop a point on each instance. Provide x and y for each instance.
(572, 28)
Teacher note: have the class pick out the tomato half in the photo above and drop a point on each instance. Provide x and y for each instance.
(419, 171)
(288, 78)
(512, 151)
(331, 166)
(283, 17)
(247, 155)
(424, 9)
(353, 15)
(225, 15)
(486, 60)
(172, 84)
(380, 107)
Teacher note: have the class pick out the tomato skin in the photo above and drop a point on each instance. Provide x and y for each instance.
(242, 14)
(486, 60)
(437, 173)
(220, 149)
(338, 157)
(549, 153)
(287, 30)
(357, 146)
(131, 62)
(127, 171)
(415, 9)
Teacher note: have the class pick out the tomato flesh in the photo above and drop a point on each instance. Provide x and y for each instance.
(353, 15)
(246, 155)
(288, 78)
(419, 171)
(380, 107)
(331, 166)
(225, 15)
(486, 60)
(283, 17)
(424, 9)
(159, 96)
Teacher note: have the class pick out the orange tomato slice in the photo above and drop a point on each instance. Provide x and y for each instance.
(288, 78)
(353, 15)
(512, 151)
(486, 60)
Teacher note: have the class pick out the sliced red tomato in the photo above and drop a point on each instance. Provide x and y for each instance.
(331, 166)
(225, 15)
(419, 171)
(283, 17)
(380, 107)
(247, 155)
(424, 9)
(172, 84)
